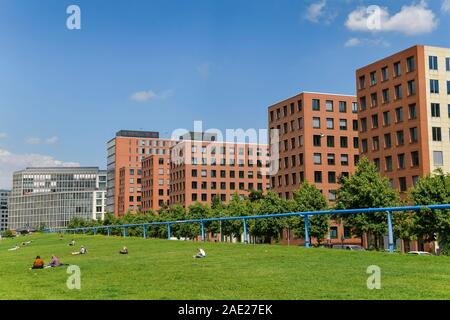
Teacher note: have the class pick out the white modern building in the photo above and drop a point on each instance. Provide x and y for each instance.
(51, 197)
(4, 194)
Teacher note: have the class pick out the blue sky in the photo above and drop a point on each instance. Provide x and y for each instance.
(160, 65)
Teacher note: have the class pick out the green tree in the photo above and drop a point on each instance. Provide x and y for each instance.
(366, 188)
(432, 225)
(309, 198)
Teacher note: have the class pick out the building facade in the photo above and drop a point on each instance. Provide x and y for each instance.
(50, 197)
(126, 151)
(318, 141)
(404, 114)
(156, 182)
(4, 194)
(201, 171)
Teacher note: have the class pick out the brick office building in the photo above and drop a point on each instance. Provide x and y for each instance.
(404, 114)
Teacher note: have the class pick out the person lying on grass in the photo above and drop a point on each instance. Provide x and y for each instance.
(83, 250)
(201, 254)
(17, 247)
(38, 263)
(124, 250)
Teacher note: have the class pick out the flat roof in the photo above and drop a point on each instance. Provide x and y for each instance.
(313, 92)
(137, 134)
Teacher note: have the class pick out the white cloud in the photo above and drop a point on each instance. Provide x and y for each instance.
(315, 11)
(360, 42)
(52, 140)
(37, 140)
(204, 70)
(445, 6)
(10, 162)
(33, 140)
(410, 20)
(144, 96)
(3, 135)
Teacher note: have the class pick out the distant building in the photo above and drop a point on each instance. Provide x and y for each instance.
(4, 194)
(205, 169)
(318, 141)
(51, 197)
(126, 151)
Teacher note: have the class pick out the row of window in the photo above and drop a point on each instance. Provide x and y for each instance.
(315, 105)
(225, 186)
(400, 139)
(401, 162)
(398, 94)
(387, 118)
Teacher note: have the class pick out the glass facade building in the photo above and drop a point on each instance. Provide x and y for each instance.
(50, 197)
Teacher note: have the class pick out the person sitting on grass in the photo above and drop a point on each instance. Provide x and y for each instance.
(38, 263)
(83, 250)
(201, 254)
(54, 262)
(72, 243)
(124, 250)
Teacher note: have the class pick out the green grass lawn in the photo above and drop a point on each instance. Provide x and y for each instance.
(161, 269)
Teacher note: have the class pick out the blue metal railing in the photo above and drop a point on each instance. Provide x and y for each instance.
(305, 216)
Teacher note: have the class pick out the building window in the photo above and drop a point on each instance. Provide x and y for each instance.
(363, 124)
(362, 82)
(317, 140)
(437, 134)
(433, 62)
(435, 110)
(438, 158)
(402, 184)
(317, 158)
(363, 103)
(377, 163)
(388, 161)
(447, 64)
(448, 87)
(400, 138)
(401, 161)
(342, 106)
(355, 142)
(316, 105)
(330, 141)
(344, 142)
(355, 125)
(413, 135)
(374, 100)
(434, 86)
(330, 123)
(397, 69)
(333, 232)
(354, 107)
(386, 118)
(386, 96)
(375, 143)
(411, 64)
(411, 87)
(343, 124)
(329, 105)
(316, 123)
(331, 177)
(399, 114)
(384, 74)
(373, 78)
(318, 176)
(387, 141)
(344, 159)
(331, 159)
(415, 162)
(364, 146)
(415, 179)
(413, 111)
(398, 92)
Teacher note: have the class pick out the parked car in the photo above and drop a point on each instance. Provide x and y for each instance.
(420, 253)
(351, 247)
